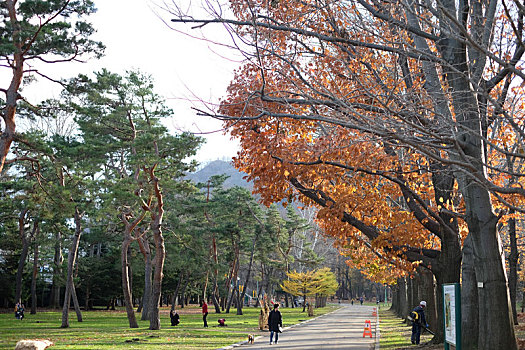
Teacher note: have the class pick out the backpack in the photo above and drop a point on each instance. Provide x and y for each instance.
(414, 316)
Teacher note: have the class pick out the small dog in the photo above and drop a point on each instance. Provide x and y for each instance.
(250, 338)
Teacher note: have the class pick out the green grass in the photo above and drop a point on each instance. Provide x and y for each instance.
(110, 329)
(394, 333)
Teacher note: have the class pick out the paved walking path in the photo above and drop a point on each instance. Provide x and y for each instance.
(341, 329)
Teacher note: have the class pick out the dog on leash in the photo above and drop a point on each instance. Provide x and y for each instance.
(250, 338)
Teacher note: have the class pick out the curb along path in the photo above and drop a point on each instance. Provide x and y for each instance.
(340, 329)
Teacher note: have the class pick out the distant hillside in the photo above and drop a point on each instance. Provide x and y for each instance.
(219, 167)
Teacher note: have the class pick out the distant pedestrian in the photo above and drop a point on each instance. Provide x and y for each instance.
(352, 301)
(418, 321)
(275, 323)
(205, 313)
(19, 311)
(361, 300)
(174, 317)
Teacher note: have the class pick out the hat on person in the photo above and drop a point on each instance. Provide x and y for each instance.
(423, 303)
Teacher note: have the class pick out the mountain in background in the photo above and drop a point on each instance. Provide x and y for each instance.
(219, 167)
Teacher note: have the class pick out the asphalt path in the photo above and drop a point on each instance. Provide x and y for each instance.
(341, 329)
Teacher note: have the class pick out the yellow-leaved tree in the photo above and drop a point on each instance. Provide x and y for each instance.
(320, 283)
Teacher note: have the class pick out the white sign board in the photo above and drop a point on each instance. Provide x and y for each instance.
(450, 313)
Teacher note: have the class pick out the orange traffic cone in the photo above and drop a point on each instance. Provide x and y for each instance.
(368, 329)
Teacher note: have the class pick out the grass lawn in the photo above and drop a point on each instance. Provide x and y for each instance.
(110, 329)
(394, 333)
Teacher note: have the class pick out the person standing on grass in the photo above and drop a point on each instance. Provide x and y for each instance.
(275, 323)
(175, 318)
(418, 321)
(204, 313)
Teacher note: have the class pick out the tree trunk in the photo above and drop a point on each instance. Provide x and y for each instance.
(235, 281)
(160, 254)
(183, 293)
(427, 293)
(23, 255)
(34, 300)
(148, 269)
(126, 289)
(494, 311)
(469, 299)
(513, 266)
(70, 266)
(87, 300)
(72, 255)
(403, 298)
(410, 294)
(216, 303)
(11, 94)
(494, 301)
(76, 304)
(57, 271)
(448, 265)
(176, 292)
(395, 299)
(248, 273)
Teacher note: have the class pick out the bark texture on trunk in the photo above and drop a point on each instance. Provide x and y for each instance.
(403, 298)
(130, 312)
(34, 300)
(128, 238)
(11, 94)
(427, 293)
(469, 299)
(513, 267)
(157, 278)
(76, 304)
(57, 271)
(176, 292)
(148, 269)
(160, 253)
(23, 254)
(72, 255)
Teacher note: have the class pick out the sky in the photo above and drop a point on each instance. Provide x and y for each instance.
(186, 70)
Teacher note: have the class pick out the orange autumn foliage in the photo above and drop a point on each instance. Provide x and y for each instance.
(304, 106)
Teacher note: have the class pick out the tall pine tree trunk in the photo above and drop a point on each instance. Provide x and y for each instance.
(129, 228)
(160, 253)
(176, 292)
(148, 269)
(34, 300)
(126, 289)
(70, 266)
(23, 255)
(57, 272)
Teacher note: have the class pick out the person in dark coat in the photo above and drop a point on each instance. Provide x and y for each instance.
(275, 322)
(175, 318)
(418, 321)
(19, 311)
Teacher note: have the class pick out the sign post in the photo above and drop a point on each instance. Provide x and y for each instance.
(452, 315)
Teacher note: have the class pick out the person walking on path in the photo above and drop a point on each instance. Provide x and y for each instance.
(418, 321)
(361, 300)
(204, 313)
(275, 322)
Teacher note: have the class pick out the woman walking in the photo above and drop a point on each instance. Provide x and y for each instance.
(275, 323)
